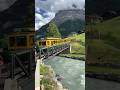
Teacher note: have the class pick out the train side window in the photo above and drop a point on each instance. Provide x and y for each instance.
(21, 41)
(48, 43)
(11, 41)
(44, 43)
(54, 42)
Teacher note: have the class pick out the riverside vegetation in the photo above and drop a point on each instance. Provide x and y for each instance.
(48, 79)
(77, 47)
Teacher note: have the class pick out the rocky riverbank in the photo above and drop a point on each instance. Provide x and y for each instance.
(48, 79)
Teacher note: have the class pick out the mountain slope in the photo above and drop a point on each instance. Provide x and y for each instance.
(71, 26)
(65, 15)
(67, 21)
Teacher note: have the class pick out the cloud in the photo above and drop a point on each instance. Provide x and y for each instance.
(43, 18)
(46, 9)
(56, 5)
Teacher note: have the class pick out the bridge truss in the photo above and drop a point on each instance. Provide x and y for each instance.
(48, 52)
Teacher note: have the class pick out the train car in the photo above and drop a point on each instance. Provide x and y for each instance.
(67, 40)
(48, 42)
(21, 40)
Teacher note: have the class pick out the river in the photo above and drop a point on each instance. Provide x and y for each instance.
(72, 72)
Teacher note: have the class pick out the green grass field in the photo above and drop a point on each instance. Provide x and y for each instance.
(78, 43)
(102, 70)
(104, 46)
(112, 26)
(77, 47)
(106, 52)
(107, 46)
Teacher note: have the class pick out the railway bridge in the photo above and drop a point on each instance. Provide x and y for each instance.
(18, 69)
(47, 52)
(21, 45)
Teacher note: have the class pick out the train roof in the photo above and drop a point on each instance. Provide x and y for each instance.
(20, 33)
(52, 38)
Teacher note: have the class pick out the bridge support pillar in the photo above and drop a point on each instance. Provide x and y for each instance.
(37, 75)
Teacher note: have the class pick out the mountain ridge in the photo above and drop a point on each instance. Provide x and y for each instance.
(70, 19)
(72, 14)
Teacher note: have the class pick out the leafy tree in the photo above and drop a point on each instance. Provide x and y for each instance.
(52, 31)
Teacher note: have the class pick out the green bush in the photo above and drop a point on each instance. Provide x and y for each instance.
(44, 70)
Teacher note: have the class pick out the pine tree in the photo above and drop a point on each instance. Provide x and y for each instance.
(52, 31)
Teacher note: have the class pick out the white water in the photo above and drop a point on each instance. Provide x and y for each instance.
(72, 72)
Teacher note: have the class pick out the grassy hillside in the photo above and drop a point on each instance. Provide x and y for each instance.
(103, 46)
(78, 43)
(71, 26)
(77, 47)
(110, 31)
(65, 28)
(100, 52)
(107, 44)
(110, 26)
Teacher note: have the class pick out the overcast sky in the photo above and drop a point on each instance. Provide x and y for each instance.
(46, 9)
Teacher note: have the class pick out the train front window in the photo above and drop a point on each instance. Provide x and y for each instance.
(12, 41)
(21, 41)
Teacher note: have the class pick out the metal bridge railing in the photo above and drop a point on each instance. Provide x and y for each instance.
(53, 50)
(24, 67)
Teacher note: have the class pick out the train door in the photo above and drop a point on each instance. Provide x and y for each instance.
(31, 41)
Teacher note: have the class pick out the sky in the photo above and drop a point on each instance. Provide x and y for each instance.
(45, 10)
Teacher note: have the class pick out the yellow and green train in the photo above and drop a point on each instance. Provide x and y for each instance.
(48, 42)
(26, 41)
(21, 40)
